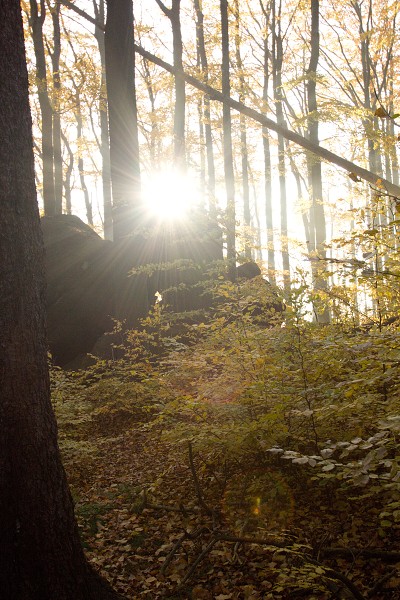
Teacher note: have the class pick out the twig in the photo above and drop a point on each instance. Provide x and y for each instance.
(379, 584)
(177, 509)
(185, 536)
(200, 557)
(226, 537)
(352, 553)
(196, 482)
(339, 576)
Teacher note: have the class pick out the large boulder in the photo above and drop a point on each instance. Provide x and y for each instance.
(80, 286)
(90, 281)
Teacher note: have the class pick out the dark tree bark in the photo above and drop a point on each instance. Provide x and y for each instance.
(36, 21)
(122, 114)
(41, 555)
(228, 155)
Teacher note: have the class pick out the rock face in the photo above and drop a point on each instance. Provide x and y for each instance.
(80, 286)
(90, 280)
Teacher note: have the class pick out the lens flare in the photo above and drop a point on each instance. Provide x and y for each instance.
(169, 195)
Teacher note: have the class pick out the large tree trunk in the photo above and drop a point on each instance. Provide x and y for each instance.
(122, 114)
(41, 555)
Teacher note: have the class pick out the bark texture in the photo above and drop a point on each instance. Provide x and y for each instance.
(41, 556)
(122, 114)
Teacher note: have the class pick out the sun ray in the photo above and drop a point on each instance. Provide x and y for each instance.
(170, 195)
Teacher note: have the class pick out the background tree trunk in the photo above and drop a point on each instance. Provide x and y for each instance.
(227, 142)
(317, 222)
(41, 557)
(277, 62)
(103, 111)
(57, 151)
(207, 111)
(36, 22)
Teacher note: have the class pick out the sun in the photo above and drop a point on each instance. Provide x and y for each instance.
(169, 195)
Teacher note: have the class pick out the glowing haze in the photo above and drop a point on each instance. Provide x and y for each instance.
(168, 194)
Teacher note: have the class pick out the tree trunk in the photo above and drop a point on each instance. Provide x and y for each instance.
(42, 558)
(277, 62)
(243, 133)
(105, 139)
(68, 174)
(267, 160)
(173, 14)
(228, 155)
(207, 111)
(122, 113)
(79, 140)
(36, 22)
(55, 62)
(317, 222)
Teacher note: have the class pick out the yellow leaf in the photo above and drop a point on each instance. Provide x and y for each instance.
(382, 113)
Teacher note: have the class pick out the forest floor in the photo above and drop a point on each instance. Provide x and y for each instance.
(159, 523)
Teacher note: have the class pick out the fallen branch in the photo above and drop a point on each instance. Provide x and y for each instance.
(380, 583)
(322, 153)
(353, 553)
(185, 536)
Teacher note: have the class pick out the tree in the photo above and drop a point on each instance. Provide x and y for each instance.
(122, 114)
(173, 14)
(227, 142)
(42, 558)
(201, 48)
(99, 10)
(277, 63)
(317, 213)
(36, 22)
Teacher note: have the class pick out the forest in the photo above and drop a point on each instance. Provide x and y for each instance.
(199, 299)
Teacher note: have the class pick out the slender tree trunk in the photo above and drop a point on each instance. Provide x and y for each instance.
(36, 21)
(227, 143)
(122, 113)
(207, 111)
(173, 14)
(103, 111)
(55, 62)
(267, 154)
(317, 232)
(277, 62)
(79, 140)
(154, 134)
(243, 132)
(42, 558)
(68, 173)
